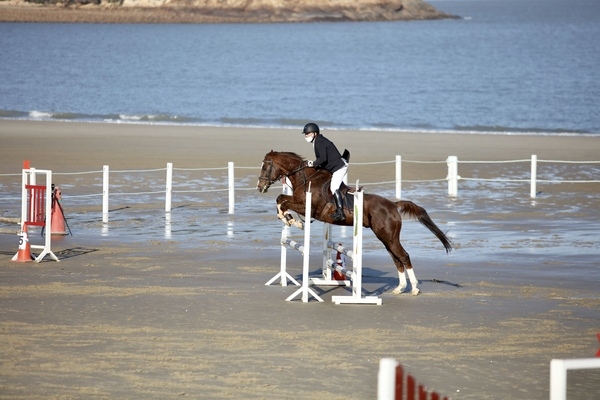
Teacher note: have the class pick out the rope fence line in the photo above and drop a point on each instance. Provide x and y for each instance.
(201, 169)
(128, 171)
(495, 162)
(78, 173)
(452, 178)
(374, 163)
(424, 162)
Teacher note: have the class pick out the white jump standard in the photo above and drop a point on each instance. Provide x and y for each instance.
(36, 209)
(285, 242)
(304, 290)
(354, 276)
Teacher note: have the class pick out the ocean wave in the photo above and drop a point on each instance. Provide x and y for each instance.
(177, 119)
(12, 114)
(278, 123)
(513, 130)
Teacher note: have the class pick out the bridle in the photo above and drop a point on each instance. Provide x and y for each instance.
(269, 173)
(271, 166)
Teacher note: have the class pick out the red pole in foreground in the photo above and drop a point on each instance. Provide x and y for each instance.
(399, 382)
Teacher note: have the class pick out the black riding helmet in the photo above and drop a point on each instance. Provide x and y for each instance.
(310, 128)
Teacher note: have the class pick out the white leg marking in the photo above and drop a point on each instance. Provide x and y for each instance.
(413, 282)
(298, 224)
(279, 213)
(402, 283)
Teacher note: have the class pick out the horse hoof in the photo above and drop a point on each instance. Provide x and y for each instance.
(398, 290)
(415, 292)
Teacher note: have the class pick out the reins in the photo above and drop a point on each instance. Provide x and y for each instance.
(270, 181)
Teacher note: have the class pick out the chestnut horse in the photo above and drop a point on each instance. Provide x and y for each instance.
(383, 216)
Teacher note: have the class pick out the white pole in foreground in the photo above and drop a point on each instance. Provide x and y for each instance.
(558, 374)
(386, 379)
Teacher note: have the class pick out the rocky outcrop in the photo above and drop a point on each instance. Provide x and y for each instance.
(302, 10)
(228, 11)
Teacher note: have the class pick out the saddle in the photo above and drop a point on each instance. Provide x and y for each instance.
(346, 192)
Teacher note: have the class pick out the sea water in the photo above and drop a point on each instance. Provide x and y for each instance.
(504, 66)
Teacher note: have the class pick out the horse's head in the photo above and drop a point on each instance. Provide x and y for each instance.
(269, 173)
(277, 165)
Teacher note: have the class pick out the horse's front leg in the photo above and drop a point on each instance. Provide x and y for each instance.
(286, 216)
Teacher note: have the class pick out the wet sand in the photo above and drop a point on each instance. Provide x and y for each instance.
(135, 313)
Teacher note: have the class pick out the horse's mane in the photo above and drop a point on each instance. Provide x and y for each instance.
(291, 155)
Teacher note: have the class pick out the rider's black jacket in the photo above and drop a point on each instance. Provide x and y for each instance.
(328, 156)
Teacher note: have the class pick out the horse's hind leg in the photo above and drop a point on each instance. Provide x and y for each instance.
(413, 281)
(402, 262)
(401, 281)
(387, 231)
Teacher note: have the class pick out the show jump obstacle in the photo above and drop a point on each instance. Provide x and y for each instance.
(354, 276)
(36, 210)
(394, 384)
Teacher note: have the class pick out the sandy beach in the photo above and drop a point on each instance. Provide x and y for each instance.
(131, 312)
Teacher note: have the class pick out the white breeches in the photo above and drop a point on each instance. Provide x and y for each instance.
(337, 178)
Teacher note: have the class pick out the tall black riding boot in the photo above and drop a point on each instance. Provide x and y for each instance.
(339, 207)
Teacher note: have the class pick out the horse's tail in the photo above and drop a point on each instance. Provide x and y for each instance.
(414, 211)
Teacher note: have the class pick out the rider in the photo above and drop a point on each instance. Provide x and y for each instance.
(330, 159)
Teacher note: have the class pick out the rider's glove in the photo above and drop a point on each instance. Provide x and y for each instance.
(309, 163)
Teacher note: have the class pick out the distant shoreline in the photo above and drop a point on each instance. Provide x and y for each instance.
(105, 15)
(20, 11)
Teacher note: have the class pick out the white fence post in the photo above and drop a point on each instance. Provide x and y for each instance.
(231, 188)
(105, 178)
(169, 188)
(398, 177)
(533, 189)
(452, 162)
